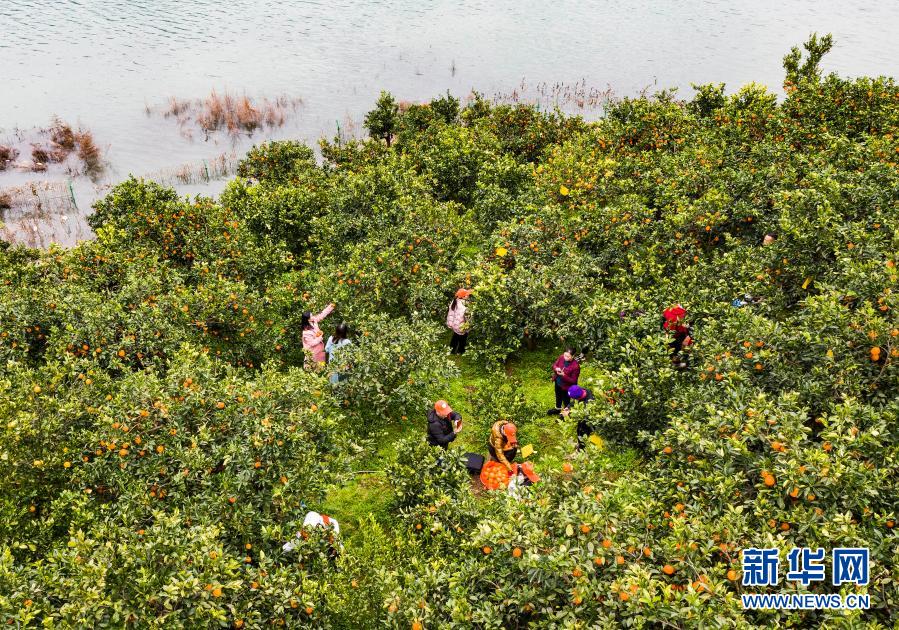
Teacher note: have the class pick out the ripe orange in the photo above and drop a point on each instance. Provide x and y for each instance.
(623, 596)
(309, 610)
(667, 450)
(619, 559)
(647, 551)
(668, 569)
(216, 592)
(732, 575)
(567, 467)
(585, 529)
(606, 543)
(516, 553)
(486, 550)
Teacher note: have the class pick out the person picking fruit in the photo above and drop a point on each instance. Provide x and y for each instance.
(566, 371)
(458, 319)
(313, 519)
(503, 443)
(444, 424)
(674, 320)
(313, 338)
(581, 395)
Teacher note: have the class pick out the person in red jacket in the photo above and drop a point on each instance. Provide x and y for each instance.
(674, 321)
(566, 371)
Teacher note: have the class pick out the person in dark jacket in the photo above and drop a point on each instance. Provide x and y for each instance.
(581, 395)
(566, 371)
(444, 424)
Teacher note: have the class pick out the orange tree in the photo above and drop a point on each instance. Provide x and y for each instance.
(781, 432)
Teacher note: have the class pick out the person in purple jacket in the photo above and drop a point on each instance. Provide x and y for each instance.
(566, 371)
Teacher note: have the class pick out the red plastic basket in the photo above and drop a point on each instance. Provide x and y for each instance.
(494, 475)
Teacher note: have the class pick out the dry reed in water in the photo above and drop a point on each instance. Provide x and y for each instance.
(51, 197)
(89, 154)
(7, 155)
(231, 113)
(218, 167)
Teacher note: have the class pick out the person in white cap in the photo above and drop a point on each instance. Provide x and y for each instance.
(313, 519)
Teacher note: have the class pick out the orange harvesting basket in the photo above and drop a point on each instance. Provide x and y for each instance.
(494, 475)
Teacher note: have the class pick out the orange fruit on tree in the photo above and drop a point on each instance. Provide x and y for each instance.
(585, 529)
(516, 553)
(567, 467)
(486, 550)
(623, 596)
(668, 569)
(732, 575)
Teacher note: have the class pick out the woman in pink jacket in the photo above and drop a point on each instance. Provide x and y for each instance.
(313, 338)
(457, 320)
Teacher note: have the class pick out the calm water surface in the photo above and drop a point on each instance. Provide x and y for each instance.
(101, 63)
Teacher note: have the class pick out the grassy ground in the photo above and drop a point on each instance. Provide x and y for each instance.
(553, 438)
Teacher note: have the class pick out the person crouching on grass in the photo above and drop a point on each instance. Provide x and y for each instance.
(503, 443)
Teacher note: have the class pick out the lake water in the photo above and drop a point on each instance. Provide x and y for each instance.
(100, 64)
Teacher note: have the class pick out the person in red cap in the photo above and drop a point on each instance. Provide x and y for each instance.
(444, 424)
(503, 443)
(674, 320)
(459, 321)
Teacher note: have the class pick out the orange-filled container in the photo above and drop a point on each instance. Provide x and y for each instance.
(494, 475)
